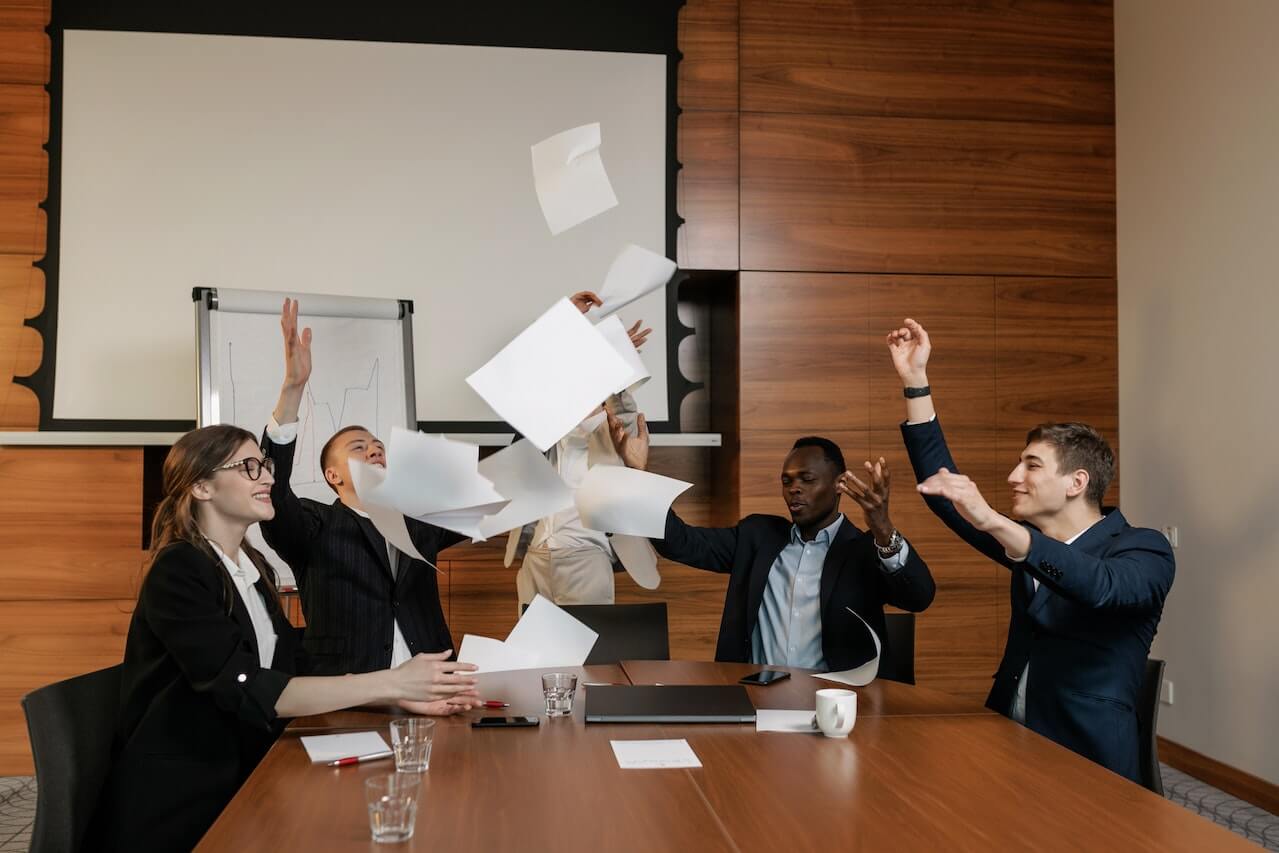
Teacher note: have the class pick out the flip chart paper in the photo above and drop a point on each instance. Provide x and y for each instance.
(552, 376)
(615, 499)
(569, 178)
(858, 676)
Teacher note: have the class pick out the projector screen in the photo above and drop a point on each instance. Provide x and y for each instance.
(336, 167)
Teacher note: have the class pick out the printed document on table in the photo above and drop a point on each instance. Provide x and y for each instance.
(552, 376)
(858, 676)
(569, 177)
(650, 754)
(332, 747)
(634, 273)
(616, 499)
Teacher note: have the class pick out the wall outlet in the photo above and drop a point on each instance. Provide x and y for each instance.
(1165, 693)
(1170, 533)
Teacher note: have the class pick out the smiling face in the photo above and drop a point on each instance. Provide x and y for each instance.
(808, 486)
(231, 495)
(1040, 488)
(352, 443)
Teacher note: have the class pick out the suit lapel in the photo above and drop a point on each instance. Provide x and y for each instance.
(376, 540)
(765, 556)
(836, 557)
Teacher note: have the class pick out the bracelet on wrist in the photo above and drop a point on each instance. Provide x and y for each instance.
(910, 392)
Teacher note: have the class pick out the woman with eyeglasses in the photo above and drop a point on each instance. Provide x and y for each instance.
(211, 663)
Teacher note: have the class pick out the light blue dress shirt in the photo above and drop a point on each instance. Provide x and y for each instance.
(789, 629)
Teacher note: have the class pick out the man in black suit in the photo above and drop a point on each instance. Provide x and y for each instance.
(1087, 589)
(792, 582)
(367, 605)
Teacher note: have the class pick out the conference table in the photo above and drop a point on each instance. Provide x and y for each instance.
(921, 770)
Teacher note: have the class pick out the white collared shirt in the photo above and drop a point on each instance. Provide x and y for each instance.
(244, 576)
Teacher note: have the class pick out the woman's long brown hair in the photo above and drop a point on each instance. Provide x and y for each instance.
(192, 459)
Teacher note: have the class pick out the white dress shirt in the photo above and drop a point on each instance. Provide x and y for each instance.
(243, 576)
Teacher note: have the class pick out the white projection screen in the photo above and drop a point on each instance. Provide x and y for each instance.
(336, 167)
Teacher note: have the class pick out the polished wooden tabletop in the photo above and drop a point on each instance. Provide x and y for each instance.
(920, 770)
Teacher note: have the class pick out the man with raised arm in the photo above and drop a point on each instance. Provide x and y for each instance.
(792, 582)
(367, 605)
(1087, 588)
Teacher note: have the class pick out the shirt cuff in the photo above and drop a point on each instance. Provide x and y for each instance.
(893, 564)
(917, 423)
(281, 433)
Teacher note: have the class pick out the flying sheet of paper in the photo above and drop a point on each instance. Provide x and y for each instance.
(858, 676)
(552, 634)
(614, 331)
(332, 747)
(428, 474)
(554, 374)
(635, 273)
(494, 655)
(650, 754)
(795, 722)
(388, 521)
(525, 476)
(615, 499)
(638, 558)
(569, 177)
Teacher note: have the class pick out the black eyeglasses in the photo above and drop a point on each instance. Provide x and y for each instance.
(252, 467)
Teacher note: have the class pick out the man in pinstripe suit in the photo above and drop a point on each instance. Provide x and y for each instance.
(367, 605)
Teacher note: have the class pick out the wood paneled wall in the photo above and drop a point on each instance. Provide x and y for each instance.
(857, 161)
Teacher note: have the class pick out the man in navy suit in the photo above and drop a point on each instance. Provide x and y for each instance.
(1087, 588)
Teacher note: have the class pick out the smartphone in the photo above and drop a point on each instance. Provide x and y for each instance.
(504, 722)
(766, 676)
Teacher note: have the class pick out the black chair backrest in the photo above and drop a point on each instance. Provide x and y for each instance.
(627, 631)
(1148, 724)
(897, 658)
(71, 725)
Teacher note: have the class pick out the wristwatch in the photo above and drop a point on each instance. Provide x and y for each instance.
(911, 392)
(893, 548)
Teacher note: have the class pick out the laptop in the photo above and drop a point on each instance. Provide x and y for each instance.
(672, 703)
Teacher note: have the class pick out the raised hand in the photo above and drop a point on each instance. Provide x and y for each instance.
(632, 448)
(910, 348)
(297, 348)
(964, 494)
(584, 300)
(637, 337)
(872, 497)
(434, 678)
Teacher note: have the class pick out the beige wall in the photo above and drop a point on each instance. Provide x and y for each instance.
(1198, 189)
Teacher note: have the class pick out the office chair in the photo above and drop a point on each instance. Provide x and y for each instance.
(897, 659)
(1147, 725)
(627, 631)
(71, 724)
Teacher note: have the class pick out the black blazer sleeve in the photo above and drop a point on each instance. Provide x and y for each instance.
(296, 524)
(926, 446)
(711, 548)
(909, 588)
(183, 599)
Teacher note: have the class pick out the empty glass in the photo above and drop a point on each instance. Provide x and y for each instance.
(392, 801)
(559, 688)
(411, 739)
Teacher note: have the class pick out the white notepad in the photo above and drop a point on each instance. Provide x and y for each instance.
(651, 754)
(325, 748)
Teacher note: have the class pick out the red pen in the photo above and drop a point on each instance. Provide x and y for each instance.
(359, 759)
(493, 703)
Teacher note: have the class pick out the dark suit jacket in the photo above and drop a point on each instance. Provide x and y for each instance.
(852, 576)
(1086, 632)
(197, 711)
(349, 596)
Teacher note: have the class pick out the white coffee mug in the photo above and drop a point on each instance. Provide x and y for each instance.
(836, 712)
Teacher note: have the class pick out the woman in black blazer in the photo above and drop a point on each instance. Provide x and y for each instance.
(211, 663)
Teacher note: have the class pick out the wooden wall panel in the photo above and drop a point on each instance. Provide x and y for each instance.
(707, 196)
(708, 42)
(1046, 60)
(47, 641)
(835, 193)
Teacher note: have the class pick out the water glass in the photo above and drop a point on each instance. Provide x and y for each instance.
(392, 801)
(559, 688)
(411, 739)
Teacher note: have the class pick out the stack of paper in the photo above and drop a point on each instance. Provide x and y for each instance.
(569, 177)
(544, 637)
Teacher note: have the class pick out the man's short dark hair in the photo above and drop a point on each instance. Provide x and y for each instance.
(829, 449)
(328, 448)
(1080, 446)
